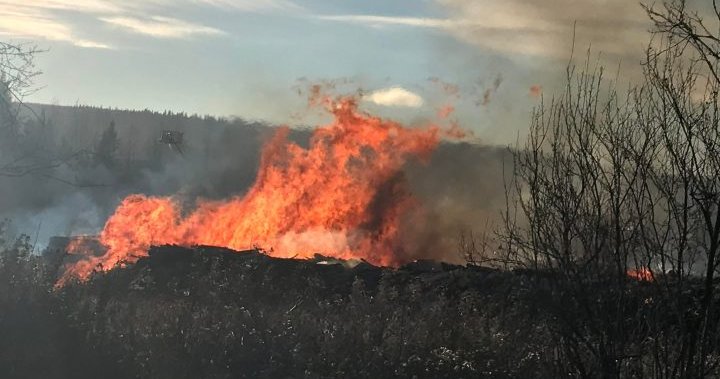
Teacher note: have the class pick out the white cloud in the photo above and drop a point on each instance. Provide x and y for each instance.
(252, 5)
(395, 97)
(22, 22)
(86, 6)
(162, 27)
(55, 20)
(371, 20)
(123, 6)
(91, 44)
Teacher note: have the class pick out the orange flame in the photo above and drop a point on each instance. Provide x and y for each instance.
(535, 90)
(343, 196)
(642, 274)
(82, 245)
(445, 111)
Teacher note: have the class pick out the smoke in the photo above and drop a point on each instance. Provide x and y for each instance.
(461, 190)
(546, 28)
(76, 197)
(70, 214)
(534, 40)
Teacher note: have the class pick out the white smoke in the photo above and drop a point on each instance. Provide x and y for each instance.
(395, 97)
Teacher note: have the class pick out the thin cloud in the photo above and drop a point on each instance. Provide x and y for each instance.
(371, 20)
(28, 23)
(54, 20)
(90, 44)
(162, 27)
(84, 6)
(252, 5)
(125, 6)
(529, 27)
(505, 35)
(395, 97)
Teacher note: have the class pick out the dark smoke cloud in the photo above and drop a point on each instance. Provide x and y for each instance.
(461, 190)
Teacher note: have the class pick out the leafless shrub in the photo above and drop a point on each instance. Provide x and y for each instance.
(610, 182)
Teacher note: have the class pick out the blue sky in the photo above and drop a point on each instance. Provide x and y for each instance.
(249, 57)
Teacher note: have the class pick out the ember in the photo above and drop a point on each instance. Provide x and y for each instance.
(642, 274)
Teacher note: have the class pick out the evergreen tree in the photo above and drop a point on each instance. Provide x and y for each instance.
(106, 149)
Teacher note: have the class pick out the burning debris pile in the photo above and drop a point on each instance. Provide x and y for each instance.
(344, 196)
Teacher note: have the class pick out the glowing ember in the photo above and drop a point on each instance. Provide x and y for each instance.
(642, 274)
(445, 111)
(344, 196)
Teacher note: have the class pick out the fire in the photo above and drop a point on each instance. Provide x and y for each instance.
(81, 245)
(642, 274)
(535, 90)
(445, 111)
(344, 196)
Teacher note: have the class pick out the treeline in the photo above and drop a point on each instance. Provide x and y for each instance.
(138, 133)
(64, 169)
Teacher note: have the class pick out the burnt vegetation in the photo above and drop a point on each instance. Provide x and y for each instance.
(603, 264)
(213, 313)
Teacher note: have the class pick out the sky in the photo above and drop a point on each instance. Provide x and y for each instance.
(254, 59)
